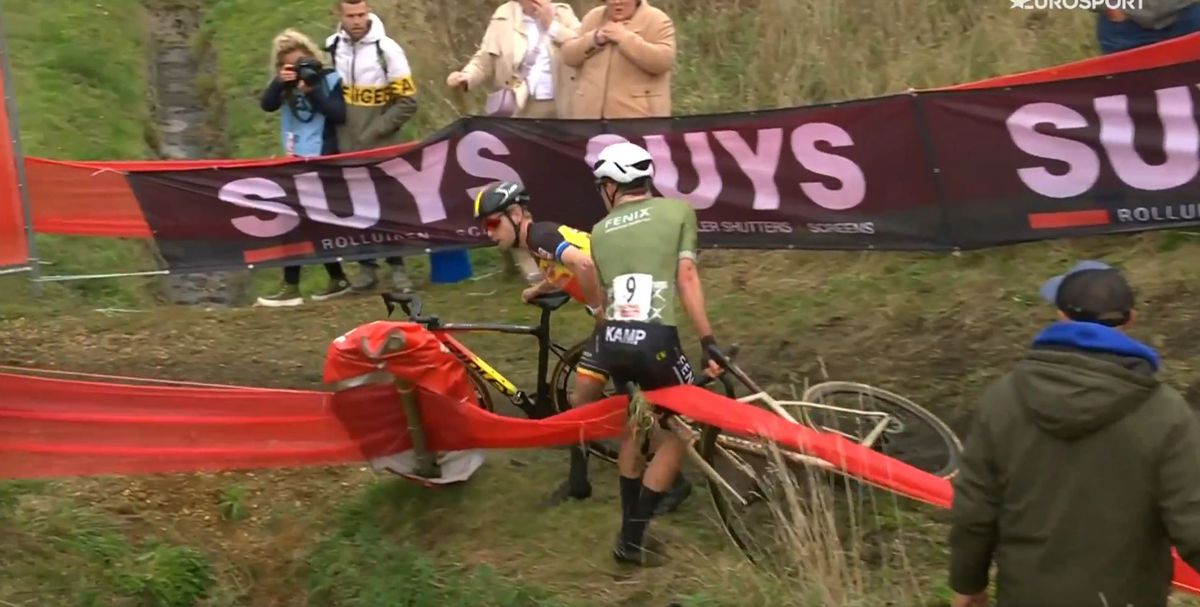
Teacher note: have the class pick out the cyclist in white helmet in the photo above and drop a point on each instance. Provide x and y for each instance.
(644, 251)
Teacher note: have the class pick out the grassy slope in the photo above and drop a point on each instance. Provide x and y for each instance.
(934, 327)
(81, 94)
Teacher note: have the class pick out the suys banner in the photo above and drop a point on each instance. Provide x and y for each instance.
(923, 171)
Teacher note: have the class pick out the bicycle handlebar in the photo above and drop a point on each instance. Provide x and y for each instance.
(413, 312)
(707, 379)
(726, 362)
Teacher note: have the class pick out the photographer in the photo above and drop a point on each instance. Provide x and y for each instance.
(312, 95)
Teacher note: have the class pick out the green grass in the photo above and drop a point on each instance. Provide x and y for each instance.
(58, 549)
(233, 506)
(81, 90)
(733, 55)
(239, 33)
(370, 560)
(81, 93)
(62, 551)
(935, 327)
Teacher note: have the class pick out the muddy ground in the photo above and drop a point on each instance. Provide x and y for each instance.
(933, 331)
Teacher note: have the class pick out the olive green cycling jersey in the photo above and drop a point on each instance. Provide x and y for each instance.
(636, 249)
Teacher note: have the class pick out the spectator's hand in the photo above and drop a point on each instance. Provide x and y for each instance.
(287, 73)
(598, 37)
(615, 32)
(304, 87)
(457, 80)
(543, 13)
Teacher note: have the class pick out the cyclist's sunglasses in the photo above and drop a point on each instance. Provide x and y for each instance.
(491, 222)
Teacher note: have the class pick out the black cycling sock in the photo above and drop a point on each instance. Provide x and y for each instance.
(577, 477)
(630, 488)
(633, 532)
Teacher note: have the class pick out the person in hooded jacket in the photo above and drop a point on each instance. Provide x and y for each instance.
(380, 97)
(1082, 468)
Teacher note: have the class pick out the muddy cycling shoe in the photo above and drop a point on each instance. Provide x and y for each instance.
(651, 542)
(565, 492)
(649, 556)
(675, 496)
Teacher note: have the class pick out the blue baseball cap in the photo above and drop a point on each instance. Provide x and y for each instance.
(1091, 291)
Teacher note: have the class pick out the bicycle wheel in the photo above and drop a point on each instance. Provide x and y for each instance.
(768, 497)
(562, 382)
(481, 391)
(912, 434)
(755, 494)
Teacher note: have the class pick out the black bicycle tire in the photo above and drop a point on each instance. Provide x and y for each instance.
(481, 391)
(565, 366)
(949, 439)
(708, 442)
(710, 434)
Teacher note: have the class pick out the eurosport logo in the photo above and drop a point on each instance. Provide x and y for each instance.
(1077, 5)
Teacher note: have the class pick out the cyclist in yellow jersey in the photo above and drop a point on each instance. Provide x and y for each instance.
(563, 254)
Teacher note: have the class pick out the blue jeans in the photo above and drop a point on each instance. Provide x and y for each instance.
(1125, 35)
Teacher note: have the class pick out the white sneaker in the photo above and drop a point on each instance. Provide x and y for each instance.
(287, 297)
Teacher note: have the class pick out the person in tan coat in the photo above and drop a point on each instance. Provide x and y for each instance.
(525, 36)
(624, 52)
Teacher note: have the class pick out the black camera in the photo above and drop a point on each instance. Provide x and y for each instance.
(308, 69)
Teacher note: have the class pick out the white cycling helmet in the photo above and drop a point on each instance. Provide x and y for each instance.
(623, 163)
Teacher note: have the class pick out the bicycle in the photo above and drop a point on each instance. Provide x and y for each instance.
(717, 448)
(726, 459)
(550, 395)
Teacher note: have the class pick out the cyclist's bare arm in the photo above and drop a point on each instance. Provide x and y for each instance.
(691, 296)
(687, 278)
(582, 266)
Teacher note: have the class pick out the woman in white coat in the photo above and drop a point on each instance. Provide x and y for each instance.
(518, 60)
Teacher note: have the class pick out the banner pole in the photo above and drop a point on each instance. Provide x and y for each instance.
(10, 105)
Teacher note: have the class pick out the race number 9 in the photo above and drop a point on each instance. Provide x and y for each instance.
(631, 296)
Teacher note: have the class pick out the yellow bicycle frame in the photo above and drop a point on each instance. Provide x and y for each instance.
(480, 366)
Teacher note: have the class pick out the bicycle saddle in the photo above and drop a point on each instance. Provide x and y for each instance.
(551, 301)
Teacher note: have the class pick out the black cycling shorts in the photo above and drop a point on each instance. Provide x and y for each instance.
(646, 354)
(589, 360)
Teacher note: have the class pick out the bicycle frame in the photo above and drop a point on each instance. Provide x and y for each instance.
(777, 407)
(537, 407)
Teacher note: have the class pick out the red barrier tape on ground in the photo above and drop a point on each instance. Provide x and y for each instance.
(54, 428)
